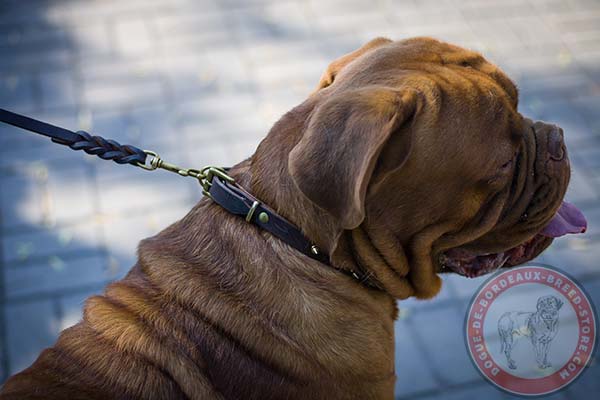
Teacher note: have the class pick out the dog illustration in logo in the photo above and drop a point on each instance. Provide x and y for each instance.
(540, 326)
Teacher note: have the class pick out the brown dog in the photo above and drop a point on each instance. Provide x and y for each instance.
(409, 157)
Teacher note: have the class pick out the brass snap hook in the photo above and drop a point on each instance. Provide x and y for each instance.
(204, 175)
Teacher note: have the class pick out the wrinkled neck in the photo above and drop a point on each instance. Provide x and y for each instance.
(378, 255)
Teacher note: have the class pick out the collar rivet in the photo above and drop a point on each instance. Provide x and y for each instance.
(263, 217)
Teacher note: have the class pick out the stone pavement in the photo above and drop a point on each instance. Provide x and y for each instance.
(202, 82)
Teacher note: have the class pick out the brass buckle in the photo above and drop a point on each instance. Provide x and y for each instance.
(208, 173)
(204, 175)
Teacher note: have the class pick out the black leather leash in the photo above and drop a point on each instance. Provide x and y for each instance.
(96, 145)
(215, 181)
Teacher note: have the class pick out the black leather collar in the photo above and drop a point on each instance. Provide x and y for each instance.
(238, 201)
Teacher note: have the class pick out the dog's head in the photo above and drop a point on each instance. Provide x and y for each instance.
(416, 150)
(548, 307)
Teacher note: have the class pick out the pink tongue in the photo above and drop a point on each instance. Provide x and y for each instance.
(568, 219)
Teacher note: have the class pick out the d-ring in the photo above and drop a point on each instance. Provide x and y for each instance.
(251, 211)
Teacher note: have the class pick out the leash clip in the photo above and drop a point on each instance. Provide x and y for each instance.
(204, 175)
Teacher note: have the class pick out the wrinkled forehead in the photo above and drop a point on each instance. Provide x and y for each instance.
(426, 56)
(434, 51)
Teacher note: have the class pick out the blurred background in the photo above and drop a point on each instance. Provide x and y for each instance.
(201, 82)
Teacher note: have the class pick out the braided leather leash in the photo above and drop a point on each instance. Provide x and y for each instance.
(106, 149)
(80, 140)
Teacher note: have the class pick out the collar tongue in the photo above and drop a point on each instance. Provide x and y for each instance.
(568, 219)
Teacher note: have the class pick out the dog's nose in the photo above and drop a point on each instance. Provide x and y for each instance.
(556, 144)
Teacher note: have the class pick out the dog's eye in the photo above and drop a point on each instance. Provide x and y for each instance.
(501, 174)
(506, 166)
(465, 64)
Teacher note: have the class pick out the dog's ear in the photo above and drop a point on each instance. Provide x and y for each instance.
(559, 303)
(336, 66)
(338, 155)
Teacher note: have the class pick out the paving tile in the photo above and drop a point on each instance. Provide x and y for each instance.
(365, 21)
(183, 27)
(444, 348)
(274, 21)
(553, 86)
(20, 199)
(496, 34)
(58, 90)
(580, 188)
(92, 38)
(466, 392)
(289, 64)
(188, 75)
(588, 107)
(31, 327)
(98, 9)
(123, 93)
(532, 29)
(217, 154)
(35, 36)
(31, 42)
(56, 274)
(577, 21)
(133, 36)
(150, 126)
(465, 288)
(588, 381)
(589, 154)
(44, 241)
(37, 154)
(17, 90)
(145, 191)
(474, 10)
(230, 69)
(413, 375)
(413, 12)
(40, 195)
(115, 69)
(26, 60)
(225, 106)
(579, 259)
(553, 7)
(70, 195)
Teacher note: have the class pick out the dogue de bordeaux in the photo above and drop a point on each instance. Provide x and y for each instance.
(408, 160)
